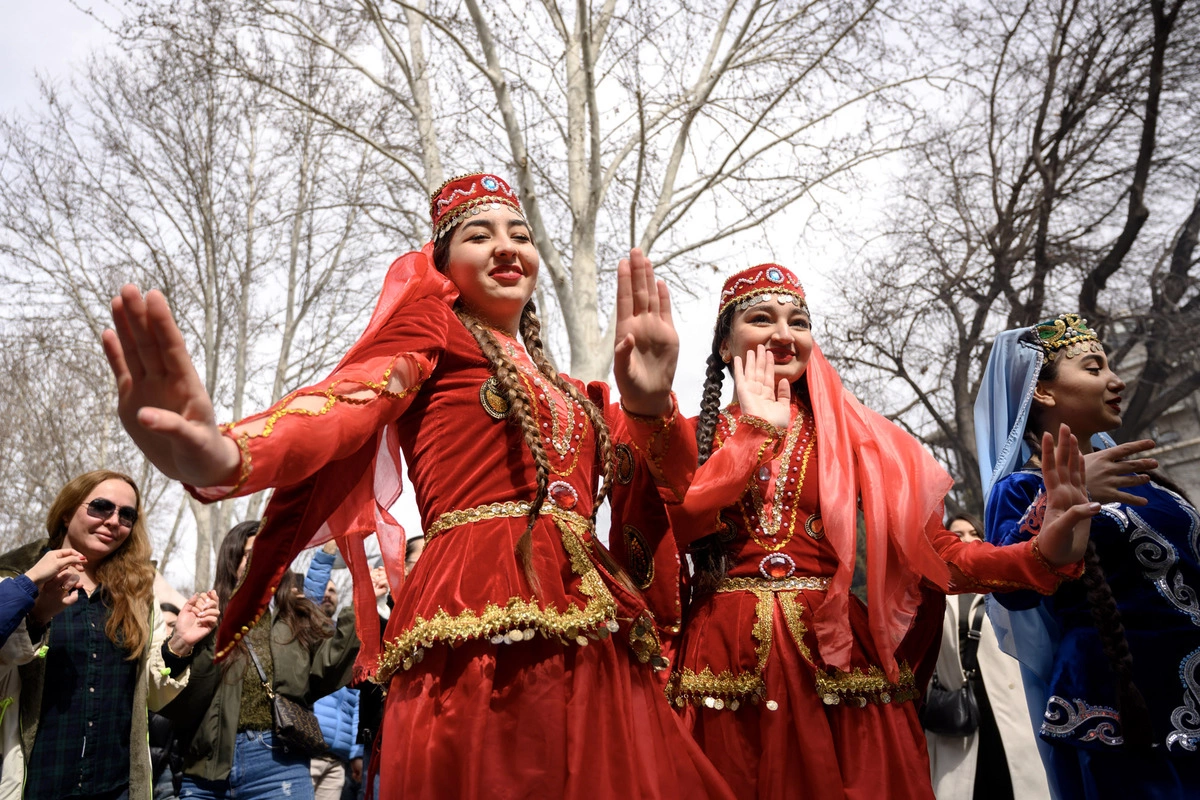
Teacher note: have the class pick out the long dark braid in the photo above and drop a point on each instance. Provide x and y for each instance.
(1136, 726)
(709, 558)
(531, 334)
(519, 405)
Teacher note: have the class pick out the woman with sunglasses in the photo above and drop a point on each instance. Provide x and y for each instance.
(103, 657)
(520, 655)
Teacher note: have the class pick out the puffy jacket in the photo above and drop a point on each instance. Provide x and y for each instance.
(338, 715)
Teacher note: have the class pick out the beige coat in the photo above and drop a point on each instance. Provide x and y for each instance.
(951, 758)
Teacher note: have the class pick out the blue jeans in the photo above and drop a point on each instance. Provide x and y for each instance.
(260, 770)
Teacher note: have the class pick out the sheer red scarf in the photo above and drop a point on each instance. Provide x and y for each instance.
(346, 499)
(863, 455)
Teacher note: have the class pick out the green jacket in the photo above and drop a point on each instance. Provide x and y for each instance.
(205, 714)
(153, 689)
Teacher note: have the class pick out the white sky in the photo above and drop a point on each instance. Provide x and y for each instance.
(47, 37)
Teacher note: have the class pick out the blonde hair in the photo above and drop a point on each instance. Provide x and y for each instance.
(126, 574)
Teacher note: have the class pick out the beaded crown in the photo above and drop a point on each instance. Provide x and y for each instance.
(1067, 333)
(761, 284)
(468, 194)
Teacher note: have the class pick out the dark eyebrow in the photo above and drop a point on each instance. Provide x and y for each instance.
(1097, 357)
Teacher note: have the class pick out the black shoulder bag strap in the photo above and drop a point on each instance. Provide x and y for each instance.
(969, 636)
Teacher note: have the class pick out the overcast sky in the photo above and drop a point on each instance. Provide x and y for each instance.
(48, 37)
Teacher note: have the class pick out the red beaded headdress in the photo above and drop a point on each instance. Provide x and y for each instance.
(762, 284)
(468, 194)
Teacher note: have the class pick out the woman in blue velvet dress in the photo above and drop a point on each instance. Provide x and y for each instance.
(1111, 662)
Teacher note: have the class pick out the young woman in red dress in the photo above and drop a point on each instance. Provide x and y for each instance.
(518, 655)
(792, 685)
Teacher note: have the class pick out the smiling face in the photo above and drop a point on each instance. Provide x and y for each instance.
(784, 329)
(1084, 393)
(494, 264)
(99, 538)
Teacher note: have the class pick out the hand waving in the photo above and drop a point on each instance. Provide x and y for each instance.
(160, 398)
(1067, 524)
(758, 393)
(198, 617)
(647, 346)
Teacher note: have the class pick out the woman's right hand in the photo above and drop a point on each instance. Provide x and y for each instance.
(161, 400)
(758, 393)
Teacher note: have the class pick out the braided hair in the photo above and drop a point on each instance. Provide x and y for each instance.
(709, 557)
(1136, 726)
(519, 404)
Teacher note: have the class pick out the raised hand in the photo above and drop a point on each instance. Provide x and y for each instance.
(647, 346)
(1111, 470)
(198, 617)
(1067, 523)
(56, 563)
(161, 400)
(758, 393)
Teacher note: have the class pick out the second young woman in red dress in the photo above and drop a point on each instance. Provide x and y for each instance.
(792, 685)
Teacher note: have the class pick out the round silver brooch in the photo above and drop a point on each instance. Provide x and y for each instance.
(775, 275)
(490, 184)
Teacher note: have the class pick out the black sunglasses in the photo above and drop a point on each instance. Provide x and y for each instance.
(103, 508)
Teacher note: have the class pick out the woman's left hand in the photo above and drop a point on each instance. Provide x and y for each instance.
(1067, 524)
(647, 346)
(197, 619)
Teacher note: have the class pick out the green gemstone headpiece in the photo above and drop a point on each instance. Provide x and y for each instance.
(1067, 333)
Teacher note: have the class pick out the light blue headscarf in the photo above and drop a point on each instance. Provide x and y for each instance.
(1001, 414)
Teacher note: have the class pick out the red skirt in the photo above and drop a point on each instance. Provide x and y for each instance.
(807, 749)
(537, 719)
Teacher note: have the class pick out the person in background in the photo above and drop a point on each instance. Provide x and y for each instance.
(223, 718)
(340, 769)
(166, 763)
(999, 760)
(83, 706)
(1112, 663)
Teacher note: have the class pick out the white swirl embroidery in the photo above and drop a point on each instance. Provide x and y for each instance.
(1185, 720)
(1160, 560)
(1063, 717)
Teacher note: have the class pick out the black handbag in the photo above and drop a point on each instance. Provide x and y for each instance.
(955, 712)
(295, 727)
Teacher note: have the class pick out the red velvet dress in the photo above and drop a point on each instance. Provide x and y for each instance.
(493, 690)
(772, 714)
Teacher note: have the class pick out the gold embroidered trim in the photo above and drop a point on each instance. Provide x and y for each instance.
(728, 690)
(332, 398)
(1057, 572)
(243, 443)
(518, 619)
(725, 690)
(511, 508)
(623, 471)
(858, 688)
(793, 612)
(761, 424)
(779, 585)
(639, 557)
